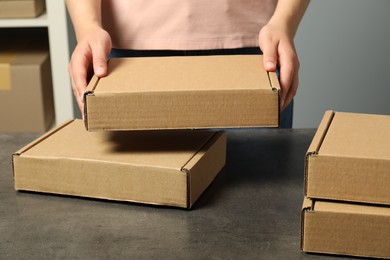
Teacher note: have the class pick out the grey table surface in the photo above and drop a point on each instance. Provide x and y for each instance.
(250, 211)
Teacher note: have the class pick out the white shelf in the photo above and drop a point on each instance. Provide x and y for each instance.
(54, 19)
(40, 21)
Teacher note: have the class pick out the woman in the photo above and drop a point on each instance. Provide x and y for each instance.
(192, 27)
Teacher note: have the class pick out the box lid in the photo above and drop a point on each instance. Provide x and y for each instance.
(183, 92)
(196, 73)
(167, 149)
(349, 158)
(358, 136)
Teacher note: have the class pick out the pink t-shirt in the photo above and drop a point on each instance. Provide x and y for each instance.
(185, 24)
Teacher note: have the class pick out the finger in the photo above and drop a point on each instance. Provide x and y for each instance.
(78, 69)
(100, 51)
(76, 95)
(81, 107)
(286, 78)
(292, 90)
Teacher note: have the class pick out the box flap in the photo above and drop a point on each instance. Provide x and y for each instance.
(358, 136)
(89, 92)
(204, 166)
(165, 149)
(43, 137)
(321, 132)
(316, 142)
(149, 74)
(307, 204)
(275, 85)
(91, 85)
(37, 141)
(274, 81)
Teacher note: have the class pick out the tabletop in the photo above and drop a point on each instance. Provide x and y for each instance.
(252, 210)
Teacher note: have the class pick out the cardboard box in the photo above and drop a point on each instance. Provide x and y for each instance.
(345, 228)
(21, 8)
(170, 168)
(183, 92)
(26, 93)
(349, 159)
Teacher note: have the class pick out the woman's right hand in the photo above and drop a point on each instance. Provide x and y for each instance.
(89, 56)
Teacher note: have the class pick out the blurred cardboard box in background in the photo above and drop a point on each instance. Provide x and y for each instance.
(21, 8)
(26, 93)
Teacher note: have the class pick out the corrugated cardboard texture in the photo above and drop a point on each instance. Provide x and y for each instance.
(183, 92)
(156, 167)
(345, 229)
(21, 8)
(26, 105)
(349, 159)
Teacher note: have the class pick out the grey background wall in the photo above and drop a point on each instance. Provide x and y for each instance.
(344, 49)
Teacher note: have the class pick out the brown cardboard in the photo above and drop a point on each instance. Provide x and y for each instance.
(170, 168)
(26, 93)
(21, 8)
(183, 92)
(349, 159)
(345, 228)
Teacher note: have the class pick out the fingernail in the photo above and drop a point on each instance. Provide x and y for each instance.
(269, 65)
(99, 70)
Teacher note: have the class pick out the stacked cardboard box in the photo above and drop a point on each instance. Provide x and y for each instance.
(21, 8)
(346, 209)
(165, 167)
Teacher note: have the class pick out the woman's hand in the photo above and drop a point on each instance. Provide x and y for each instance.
(89, 56)
(279, 52)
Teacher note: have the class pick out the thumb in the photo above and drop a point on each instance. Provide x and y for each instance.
(99, 64)
(270, 55)
(100, 51)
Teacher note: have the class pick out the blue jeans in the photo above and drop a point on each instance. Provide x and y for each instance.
(285, 117)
